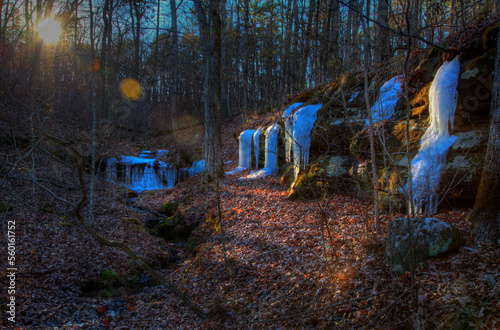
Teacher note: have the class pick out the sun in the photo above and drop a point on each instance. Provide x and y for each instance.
(49, 30)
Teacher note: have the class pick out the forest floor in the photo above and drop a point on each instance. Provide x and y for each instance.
(269, 262)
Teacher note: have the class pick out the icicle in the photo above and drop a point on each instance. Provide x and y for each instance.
(271, 154)
(288, 130)
(256, 138)
(198, 167)
(427, 165)
(168, 175)
(303, 122)
(288, 111)
(147, 154)
(245, 151)
(111, 170)
(142, 173)
(272, 148)
(128, 174)
(389, 96)
(245, 140)
(161, 153)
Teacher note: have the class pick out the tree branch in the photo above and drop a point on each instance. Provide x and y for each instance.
(401, 33)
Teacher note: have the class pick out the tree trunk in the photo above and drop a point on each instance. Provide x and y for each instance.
(175, 60)
(371, 128)
(305, 51)
(383, 47)
(212, 86)
(107, 13)
(486, 212)
(246, 24)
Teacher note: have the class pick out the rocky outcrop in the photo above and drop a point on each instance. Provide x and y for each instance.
(339, 153)
(411, 241)
(462, 172)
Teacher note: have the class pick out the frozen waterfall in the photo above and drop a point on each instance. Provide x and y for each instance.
(256, 138)
(245, 151)
(427, 164)
(302, 123)
(389, 95)
(145, 172)
(288, 129)
(272, 148)
(271, 154)
(298, 128)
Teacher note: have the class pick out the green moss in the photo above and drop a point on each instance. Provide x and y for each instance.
(109, 276)
(132, 221)
(288, 173)
(169, 208)
(167, 223)
(309, 183)
(192, 244)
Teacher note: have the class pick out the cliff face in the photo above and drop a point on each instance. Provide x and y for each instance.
(340, 147)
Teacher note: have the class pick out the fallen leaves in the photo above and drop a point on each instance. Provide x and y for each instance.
(281, 267)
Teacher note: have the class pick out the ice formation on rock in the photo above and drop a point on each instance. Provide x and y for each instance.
(298, 128)
(353, 96)
(271, 160)
(245, 151)
(427, 164)
(389, 96)
(256, 138)
(288, 129)
(271, 154)
(147, 154)
(302, 123)
(198, 167)
(160, 153)
(110, 174)
(288, 111)
(146, 173)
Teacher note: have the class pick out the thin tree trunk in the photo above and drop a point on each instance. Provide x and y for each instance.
(306, 50)
(94, 119)
(211, 46)
(382, 45)
(371, 129)
(486, 212)
(245, 61)
(175, 60)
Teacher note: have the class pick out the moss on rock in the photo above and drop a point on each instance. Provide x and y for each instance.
(169, 208)
(411, 241)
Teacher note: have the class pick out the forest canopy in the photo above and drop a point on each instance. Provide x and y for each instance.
(269, 50)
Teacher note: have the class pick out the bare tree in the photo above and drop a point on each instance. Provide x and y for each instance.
(209, 20)
(486, 212)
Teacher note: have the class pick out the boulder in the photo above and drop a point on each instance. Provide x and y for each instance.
(411, 241)
(328, 174)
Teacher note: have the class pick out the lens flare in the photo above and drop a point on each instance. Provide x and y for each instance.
(49, 30)
(130, 89)
(188, 130)
(95, 66)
